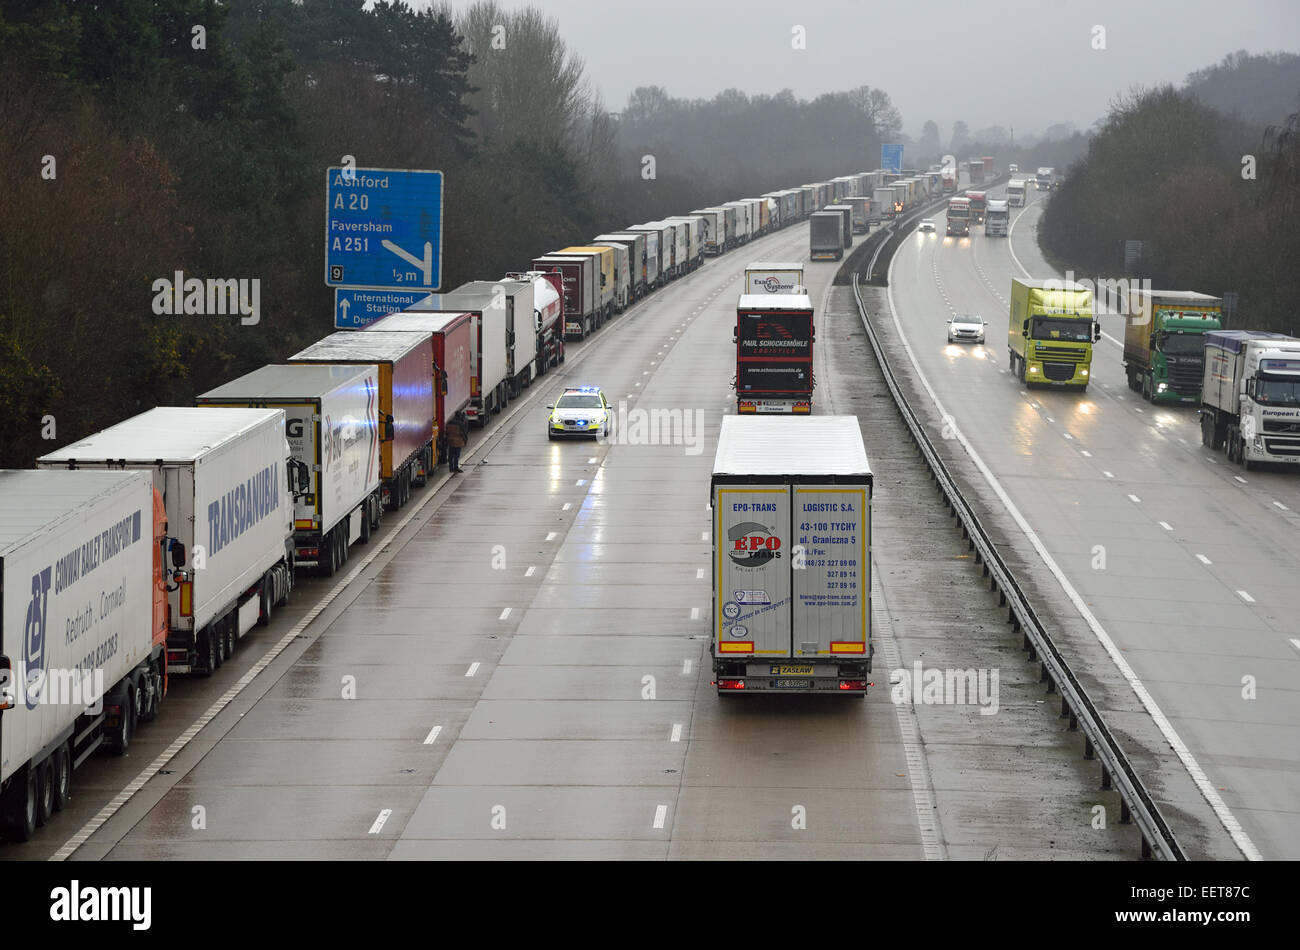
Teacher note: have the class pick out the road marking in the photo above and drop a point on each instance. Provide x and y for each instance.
(580, 483)
(1203, 559)
(695, 613)
(1240, 479)
(704, 535)
(532, 569)
(1203, 783)
(1245, 596)
(1282, 506)
(379, 822)
(550, 536)
(1086, 453)
(567, 506)
(1068, 436)
(699, 573)
(1295, 643)
(505, 613)
(1138, 409)
(1108, 474)
(677, 728)
(432, 737)
(1166, 525)
(661, 812)
(1135, 499)
(686, 664)
(473, 668)
(592, 460)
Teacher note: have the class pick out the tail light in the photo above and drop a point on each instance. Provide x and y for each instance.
(731, 684)
(853, 684)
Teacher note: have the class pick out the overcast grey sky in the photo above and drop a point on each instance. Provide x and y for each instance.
(1014, 63)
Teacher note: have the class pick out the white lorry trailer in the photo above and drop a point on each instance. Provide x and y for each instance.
(1250, 396)
(791, 556)
(83, 627)
(331, 416)
(228, 481)
(772, 277)
(997, 218)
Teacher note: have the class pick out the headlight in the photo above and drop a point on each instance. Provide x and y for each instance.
(1033, 369)
(1083, 372)
(1162, 387)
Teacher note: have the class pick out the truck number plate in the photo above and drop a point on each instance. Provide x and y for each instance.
(792, 684)
(792, 671)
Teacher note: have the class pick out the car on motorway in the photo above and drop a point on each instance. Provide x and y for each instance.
(1013, 167)
(927, 224)
(581, 411)
(966, 328)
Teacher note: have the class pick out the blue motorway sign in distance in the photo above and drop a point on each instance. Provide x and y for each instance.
(383, 228)
(355, 308)
(891, 158)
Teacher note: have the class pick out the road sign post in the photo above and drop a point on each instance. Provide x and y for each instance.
(383, 228)
(891, 158)
(355, 308)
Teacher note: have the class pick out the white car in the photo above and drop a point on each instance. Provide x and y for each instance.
(582, 411)
(1013, 167)
(927, 224)
(966, 328)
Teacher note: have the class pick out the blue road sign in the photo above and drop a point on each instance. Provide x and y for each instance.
(891, 158)
(383, 228)
(355, 308)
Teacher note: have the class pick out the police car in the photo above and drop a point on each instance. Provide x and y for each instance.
(581, 411)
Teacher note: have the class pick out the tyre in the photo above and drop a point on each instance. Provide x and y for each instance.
(44, 791)
(219, 640)
(550, 436)
(153, 694)
(119, 740)
(207, 650)
(1207, 432)
(264, 602)
(1011, 362)
(62, 770)
(365, 522)
(19, 806)
(343, 543)
(230, 638)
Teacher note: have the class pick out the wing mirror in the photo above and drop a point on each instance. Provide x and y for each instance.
(388, 433)
(1096, 332)
(6, 683)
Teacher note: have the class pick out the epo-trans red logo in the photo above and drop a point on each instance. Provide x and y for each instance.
(752, 545)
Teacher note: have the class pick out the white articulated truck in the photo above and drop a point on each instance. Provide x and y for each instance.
(228, 480)
(791, 556)
(1250, 396)
(770, 277)
(83, 628)
(331, 416)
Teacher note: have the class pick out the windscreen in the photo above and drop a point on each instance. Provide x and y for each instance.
(1277, 391)
(1183, 344)
(1061, 329)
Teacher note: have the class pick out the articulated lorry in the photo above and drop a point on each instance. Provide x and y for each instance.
(826, 236)
(846, 222)
(1051, 332)
(882, 204)
(771, 277)
(331, 415)
(579, 278)
(405, 401)
(997, 220)
(715, 230)
(83, 628)
(452, 336)
(604, 274)
(791, 571)
(774, 353)
(1016, 193)
(1250, 396)
(1164, 342)
(635, 244)
(861, 206)
(978, 206)
(228, 482)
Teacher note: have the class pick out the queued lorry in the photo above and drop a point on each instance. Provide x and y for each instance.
(882, 204)
(774, 338)
(978, 206)
(452, 337)
(660, 241)
(405, 401)
(582, 314)
(548, 319)
(768, 277)
(1250, 396)
(791, 608)
(1164, 342)
(1051, 332)
(228, 482)
(694, 228)
(715, 230)
(83, 627)
(604, 274)
(635, 244)
(1016, 193)
(861, 206)
(331, 415)
(997, 221)
(825, 236)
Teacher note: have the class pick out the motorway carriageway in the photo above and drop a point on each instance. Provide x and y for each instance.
(1186, 562)
(503, 646)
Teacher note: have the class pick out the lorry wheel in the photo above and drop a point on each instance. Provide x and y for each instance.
(365, 523)
(62, 784)
(20, 807)
(1148, 388)
(343, 546)
(230, 639)
(1251, 464)
(120, 739)
(152, 695)
(44, 791)
(328, 561)
(264, 602)
(1206, 431)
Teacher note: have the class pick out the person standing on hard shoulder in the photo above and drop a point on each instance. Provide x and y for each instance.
(457, 436)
